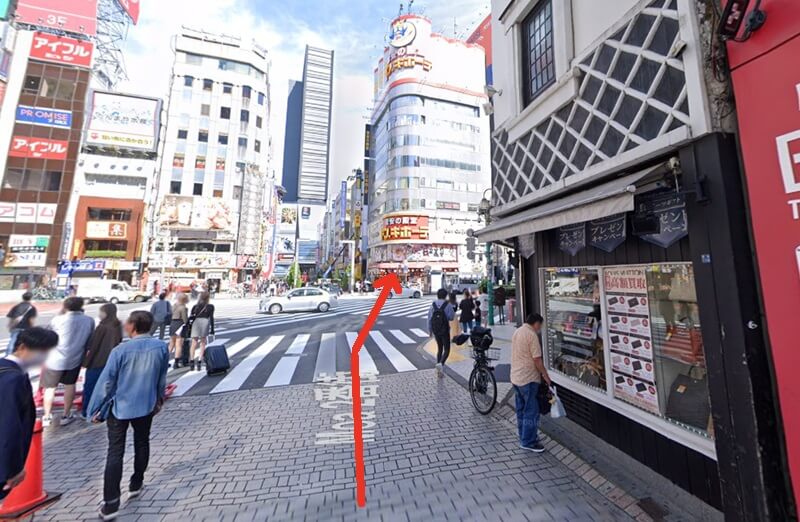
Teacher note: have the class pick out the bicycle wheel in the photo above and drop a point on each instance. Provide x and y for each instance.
(483, 389)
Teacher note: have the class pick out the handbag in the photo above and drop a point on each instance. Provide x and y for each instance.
(688, 400)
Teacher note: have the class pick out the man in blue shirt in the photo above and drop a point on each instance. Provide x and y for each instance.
(128, 393)
(439, 316)
(18, 413)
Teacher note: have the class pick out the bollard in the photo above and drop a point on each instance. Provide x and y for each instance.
(30, 495)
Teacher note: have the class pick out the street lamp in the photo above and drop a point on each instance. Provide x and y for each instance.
(485, 211)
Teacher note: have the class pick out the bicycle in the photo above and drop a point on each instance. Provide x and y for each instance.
(41, 293)
(482, 383)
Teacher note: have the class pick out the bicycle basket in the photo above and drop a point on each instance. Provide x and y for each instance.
(490, 354)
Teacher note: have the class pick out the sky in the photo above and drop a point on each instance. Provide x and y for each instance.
(354, 29)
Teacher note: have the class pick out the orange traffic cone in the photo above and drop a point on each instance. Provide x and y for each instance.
(30, 495)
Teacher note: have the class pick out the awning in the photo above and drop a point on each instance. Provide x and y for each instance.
(613, 197)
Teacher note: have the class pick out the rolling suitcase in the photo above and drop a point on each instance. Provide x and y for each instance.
(187, 345)
(216, 359)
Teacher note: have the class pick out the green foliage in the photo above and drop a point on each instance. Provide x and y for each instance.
(105, 254)
(293, 276)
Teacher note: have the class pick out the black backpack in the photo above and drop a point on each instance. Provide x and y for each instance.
(439, 323)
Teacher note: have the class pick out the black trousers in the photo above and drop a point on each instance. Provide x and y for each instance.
(161, 327)
(442, 347)
(117, 430)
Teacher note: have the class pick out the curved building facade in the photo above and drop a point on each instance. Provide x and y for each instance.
(430, 144)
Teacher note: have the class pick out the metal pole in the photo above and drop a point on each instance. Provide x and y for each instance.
(490, 286)
(352, 266)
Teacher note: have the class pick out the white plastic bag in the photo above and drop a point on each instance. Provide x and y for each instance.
(556, 409)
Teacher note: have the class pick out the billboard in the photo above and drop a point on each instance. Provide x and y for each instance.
(127, 122)
(189, 261)
(405, 228)
(131, 7)
(26, 251)
(5, 6)
(44, 116)
(62, 50)
(38, 148)
(106, 230)
(288, 223)
(42, 213)
(73, 16)
(195, 213)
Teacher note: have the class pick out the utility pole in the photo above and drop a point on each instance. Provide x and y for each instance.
(485, 211)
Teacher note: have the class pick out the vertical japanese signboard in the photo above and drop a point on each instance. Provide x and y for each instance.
(766, 81)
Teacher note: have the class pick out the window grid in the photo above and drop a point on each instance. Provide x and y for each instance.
(539, 67)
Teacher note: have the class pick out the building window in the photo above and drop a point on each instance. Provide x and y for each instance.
(227, 88)
(202, 136)
(60, 89)
(225, 113)
(32, 84)
(217, 193)
(208, 84)
(261, 98)
(539, 69)
(198, 189)
(245, 116)
(205, 110)
(257, 146)
(259, 121)
(99, 248)
(448, 205)
(246, 90)
(188, 81)
(222, 139)
(174, 187)
(242, 146)
(194, 59)
(183, 134)
(109, 214)
(32, 179)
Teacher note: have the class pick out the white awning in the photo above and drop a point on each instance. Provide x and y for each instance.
(613, 197)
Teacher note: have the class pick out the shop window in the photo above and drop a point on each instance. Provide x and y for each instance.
(174, 187)
(32, 84)
(225, 113)
(108, 214)
(538, 63)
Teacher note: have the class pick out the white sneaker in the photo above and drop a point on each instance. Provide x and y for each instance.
(67, 420)
(47, 420)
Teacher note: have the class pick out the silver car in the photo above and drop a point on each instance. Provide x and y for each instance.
(408, 291)
(301, 299)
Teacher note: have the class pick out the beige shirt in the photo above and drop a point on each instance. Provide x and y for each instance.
(525, 347)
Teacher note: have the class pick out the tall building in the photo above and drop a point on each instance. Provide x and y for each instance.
(429, 154)
(306, 163)
(215, 162)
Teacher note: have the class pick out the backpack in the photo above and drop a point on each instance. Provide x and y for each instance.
(439, 323)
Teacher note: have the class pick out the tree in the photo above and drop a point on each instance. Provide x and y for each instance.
(293, 275)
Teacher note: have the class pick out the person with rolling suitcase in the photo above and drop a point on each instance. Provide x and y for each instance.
(202, 321)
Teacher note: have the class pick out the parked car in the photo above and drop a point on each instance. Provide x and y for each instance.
(109, 290)
(301, 299)
(408, 291)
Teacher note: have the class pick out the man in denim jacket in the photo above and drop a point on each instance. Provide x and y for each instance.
(128, 393)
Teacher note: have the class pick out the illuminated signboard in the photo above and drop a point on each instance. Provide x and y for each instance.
(405, 60)
(404, 228)
(44, 116)
(62, 50)
(38, 148)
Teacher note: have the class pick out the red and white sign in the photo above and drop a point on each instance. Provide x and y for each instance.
(74, 16)
(39, 148)
(61, 49)
(106, 230)
(132, 8)
(42, 213)
(766, 80)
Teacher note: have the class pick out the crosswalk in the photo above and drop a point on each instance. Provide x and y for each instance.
(282, 360)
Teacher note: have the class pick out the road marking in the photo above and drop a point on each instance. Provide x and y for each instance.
(241, 371)
(326, 357)
(187, 380)
(282, 373)
(419, 332)
(398, 360)
(403, 338)
(365, 363)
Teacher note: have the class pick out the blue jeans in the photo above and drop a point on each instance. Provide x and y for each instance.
(11, 340)
(527, 414)
(477, 323)
(92, 374)
(465, 325)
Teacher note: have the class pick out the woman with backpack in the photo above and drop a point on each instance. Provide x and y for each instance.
(467, 317)
(202, 321)
(440, 314)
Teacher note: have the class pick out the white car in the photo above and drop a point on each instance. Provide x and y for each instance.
(301, 299)
(409, 291)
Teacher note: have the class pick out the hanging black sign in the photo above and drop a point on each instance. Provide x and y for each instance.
(670, 209)
(608, 233)
(526, 245)
(572, 238)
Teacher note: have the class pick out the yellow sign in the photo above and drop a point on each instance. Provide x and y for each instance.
(357, 220)
(405, 60)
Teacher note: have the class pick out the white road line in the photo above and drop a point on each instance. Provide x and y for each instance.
(282, 373)
(365, 363)
(419, 332)
(403, 338)
(241, 371)
(326, 357)
(398, 360)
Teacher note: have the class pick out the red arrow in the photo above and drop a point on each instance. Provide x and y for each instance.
(386, 283)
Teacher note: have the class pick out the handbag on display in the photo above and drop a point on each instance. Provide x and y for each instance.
(688, 399)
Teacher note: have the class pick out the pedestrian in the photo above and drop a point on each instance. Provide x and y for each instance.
(440, 314)
(20, 317)
(477, 313)
(467, 317)
(202, 321)
(455, 328)
(527, 373)
(500, 302)
(18, 414)
(130, 392)
(178, 328)
(106, 336)
(162, 314)
(63, 364)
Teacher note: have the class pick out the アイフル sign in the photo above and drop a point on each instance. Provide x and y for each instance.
(62, 50)
(38, 148)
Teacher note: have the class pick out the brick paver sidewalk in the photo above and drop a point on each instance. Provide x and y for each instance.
(251, 455)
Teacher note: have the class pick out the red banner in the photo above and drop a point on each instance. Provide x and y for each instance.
(766, 81)
(74, 16)
(132, 8)
(39, 148)
(60, 49)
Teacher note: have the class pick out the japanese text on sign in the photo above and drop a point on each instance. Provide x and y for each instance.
(39, 148)
(63, 50)
(397, 228)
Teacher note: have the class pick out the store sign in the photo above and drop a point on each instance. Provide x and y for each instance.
(26, 251)
(404, 228)
(116, 264)
(44, 117)
(127, 122)
(74, 16)
(402, 33)
(193, 261)
(402, 59)
(608, 233)
(670, 210)
(62, 50)
(414, 254)
(195, 213)
(572, 238)
(83, 265)
(343, 205)
(631, 341)
(246, 262)
(132, 8)
(41, 213)
(106, 230)
(38, 148)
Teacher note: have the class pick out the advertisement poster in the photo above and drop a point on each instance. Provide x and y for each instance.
(38, 148)
(74, 16)
(196, 213)
(26, 251)
(128, 122)
(44, 117)
(630, 338)
(62, 50)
